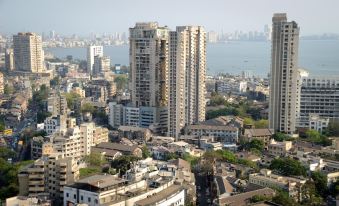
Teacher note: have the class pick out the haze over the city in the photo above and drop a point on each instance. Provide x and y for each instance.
(87, 16)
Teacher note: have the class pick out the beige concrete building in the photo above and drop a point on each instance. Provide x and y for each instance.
(47, 176)
(2, 83)
(101, 64)
(9, 60)
(279, 148)
(57, 104)
(75, 142)
(289, 184)
(284, 101)
(149, 74)
(28, 52)
(149, 64)
(187, 71)
(259, 134)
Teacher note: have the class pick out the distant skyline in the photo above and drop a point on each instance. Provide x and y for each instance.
(83, 17)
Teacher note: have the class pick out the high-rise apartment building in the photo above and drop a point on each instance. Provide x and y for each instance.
(283, 102)
(101, 64)
(149, 72)
(149, 64)
(187, 71)
(1, 83)
(9, 60)
(319, 96)
(28, 52)
(93, 51)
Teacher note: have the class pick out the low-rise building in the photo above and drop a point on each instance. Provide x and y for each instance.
(110, 190)
(289, 184)
(318, 123)
(123, 149)
(259, 134)
(279, 148)
(47, 176)
(223, 134)
(137, 133)
(243, 199)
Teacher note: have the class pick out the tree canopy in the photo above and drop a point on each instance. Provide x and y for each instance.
(288, 167)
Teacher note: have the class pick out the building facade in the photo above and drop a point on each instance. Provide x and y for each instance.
(187, 71)
(93, 51)
(283, 102)
(101, 64)
(9, 60)
(47, 176)
(2, 83)
(28, 52)
(149, 68)
(319, 96)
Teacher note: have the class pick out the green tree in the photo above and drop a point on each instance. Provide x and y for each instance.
(124, 163)
(145, 152)
(313, 135)
(171, 156)
(309, 195)
(95, 159)
(87, 107)
(320, 181)
(228, 110)
(121, 82)
(254, 145)
(226, 155)
(283, 198)
(280, 137)
(42, 115)
(8, 89)
(2, 124)
(263, 123)
(71, 98)
(288, 167)
(6, 153)
(248, 121)
(217, 99)
(333, 128)
(191, 159)
(334, 188)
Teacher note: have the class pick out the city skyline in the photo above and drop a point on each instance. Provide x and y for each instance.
(225, 16)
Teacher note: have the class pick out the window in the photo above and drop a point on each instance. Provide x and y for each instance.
(81, 197)
(75, 196)
(89, 199)
(67, 194)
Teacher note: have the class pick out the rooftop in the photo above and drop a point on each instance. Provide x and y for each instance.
(160, 196)
(213, 127)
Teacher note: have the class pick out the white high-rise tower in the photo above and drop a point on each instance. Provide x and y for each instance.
(186, 78)
(284, 100)
(93, 51)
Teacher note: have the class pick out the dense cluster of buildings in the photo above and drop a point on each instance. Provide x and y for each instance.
(155, 116)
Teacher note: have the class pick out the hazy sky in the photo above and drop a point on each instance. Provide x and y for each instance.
(98, 16)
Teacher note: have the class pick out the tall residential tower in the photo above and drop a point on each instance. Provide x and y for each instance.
(149, 74)
(283, 102)
(28, 53)
(186, 78)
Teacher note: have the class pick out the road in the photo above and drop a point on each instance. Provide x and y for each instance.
(203, 190)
